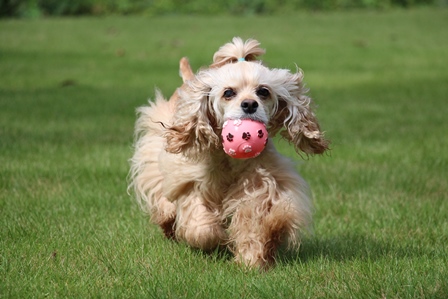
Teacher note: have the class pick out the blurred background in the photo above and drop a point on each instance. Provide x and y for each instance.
(37, 8)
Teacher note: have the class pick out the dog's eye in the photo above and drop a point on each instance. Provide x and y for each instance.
(263, 92)
(229, 93)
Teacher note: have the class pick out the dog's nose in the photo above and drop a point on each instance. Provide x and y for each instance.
(249, 106)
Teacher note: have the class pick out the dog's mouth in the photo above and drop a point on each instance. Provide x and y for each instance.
(254, 117)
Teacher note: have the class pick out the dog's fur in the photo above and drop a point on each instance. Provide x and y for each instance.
(198, 194)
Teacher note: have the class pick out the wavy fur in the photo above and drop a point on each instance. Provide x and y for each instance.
(237, 49)
(199, 195)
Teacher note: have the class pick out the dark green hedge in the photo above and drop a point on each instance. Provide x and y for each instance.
(36, 8)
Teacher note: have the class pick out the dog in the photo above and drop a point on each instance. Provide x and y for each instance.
(197, 193)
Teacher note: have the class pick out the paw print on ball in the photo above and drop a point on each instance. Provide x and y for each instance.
(243, 138)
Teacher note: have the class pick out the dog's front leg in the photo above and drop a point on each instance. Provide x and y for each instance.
(258, 228)
(198, 224)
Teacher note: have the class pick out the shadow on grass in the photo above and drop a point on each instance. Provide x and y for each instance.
(219, 254)
(347, 247)
(338, 248)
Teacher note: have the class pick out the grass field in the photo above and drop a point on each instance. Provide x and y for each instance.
(68, 93)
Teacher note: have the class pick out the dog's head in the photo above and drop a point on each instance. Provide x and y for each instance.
(237, 86)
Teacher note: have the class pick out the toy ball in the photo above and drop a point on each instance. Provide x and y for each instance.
(244, 138)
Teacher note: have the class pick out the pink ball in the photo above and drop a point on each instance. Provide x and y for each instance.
(244, 138)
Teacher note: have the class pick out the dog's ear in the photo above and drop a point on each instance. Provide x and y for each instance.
(192, 130)
(295, 115)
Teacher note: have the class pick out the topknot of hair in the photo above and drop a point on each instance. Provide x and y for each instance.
(237, 49)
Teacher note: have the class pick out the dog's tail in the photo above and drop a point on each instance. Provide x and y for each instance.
(237, 50)
(186, 73)
(185, 70)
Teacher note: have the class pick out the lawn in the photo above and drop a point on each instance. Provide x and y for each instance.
(69, 88)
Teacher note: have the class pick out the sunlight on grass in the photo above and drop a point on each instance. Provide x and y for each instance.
(68, 92)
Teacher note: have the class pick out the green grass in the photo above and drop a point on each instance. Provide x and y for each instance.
(68, 92)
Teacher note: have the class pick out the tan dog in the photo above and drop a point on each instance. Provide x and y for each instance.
(198, 194)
